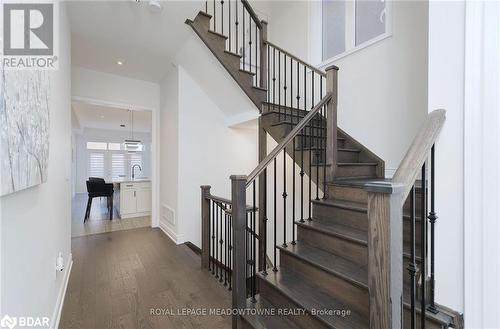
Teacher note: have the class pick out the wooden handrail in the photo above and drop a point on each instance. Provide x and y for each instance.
(291, 135)
(410, 166)
(252, 13)
(310, 66)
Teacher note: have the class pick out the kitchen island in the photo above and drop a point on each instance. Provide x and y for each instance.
(132, 197)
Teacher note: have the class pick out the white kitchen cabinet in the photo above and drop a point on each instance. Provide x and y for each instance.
(134, 199)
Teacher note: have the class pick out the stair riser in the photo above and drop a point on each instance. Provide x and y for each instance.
(348, 249)
(336, 215)
(337, 287)
(280, 117)
(203, 21)
(345, 156)
(347, 193)
(275, 297)
(353, 171)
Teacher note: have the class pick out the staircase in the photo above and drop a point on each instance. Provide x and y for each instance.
(334, 262)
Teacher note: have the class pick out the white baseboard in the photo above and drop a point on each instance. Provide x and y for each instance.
(56, 317)
(170, 233)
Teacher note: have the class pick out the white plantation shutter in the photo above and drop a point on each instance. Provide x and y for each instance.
(117, 165)
(96, 164)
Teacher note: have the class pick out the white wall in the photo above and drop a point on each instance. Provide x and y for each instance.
(446, 90)
(207, 152)
(109, 136)
(35, 223)
(169, 152)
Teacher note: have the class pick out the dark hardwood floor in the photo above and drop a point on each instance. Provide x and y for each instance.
(118, 277)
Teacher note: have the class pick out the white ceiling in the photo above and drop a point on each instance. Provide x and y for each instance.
(101, 117)
(104, 32)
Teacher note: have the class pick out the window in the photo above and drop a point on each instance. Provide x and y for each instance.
(96, 164)
(97, 146)
(347, 26)
(114, 146)
(135, 159)
(117, 165)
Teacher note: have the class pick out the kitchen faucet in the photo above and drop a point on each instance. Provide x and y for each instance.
(133, 170)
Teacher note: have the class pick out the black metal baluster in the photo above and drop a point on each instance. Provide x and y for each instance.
(275, 226)
(432, 219)
(284, 198)
(215, 19)
(230, 252)
(257, 43)
(222, 16)
(305, 88)
(279, 82)
(225, 246)
(423, 240)
(247, 252)
(221, 242)
(319, 132)
(412, 267)
(263, 253)
(206, 7)
(217, 240)
(291, 94)
(210, 240)
(236, 23)
(311, 137)
(250, 43)
(229, 23)
(254, 240)
(302, 176)
(293, 190)
(274, 79)
(284, 85)
(244, 32)
(298, 90)
(323, 145)
(268, 77)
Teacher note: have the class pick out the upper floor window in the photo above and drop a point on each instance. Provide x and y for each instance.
(350, 25)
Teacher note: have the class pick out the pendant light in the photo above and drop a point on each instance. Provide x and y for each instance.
(131, 144)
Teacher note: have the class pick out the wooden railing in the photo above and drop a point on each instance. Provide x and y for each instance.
(385, 233)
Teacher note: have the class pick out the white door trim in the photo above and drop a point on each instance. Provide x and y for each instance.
(481, 165)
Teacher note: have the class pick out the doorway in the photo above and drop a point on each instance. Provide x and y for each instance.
(111, 168)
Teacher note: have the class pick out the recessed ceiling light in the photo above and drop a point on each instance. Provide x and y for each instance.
(119, 63)
(102, 116)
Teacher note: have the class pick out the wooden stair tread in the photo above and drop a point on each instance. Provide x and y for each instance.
(298, 289)
(259, 320)
(356, 182)
(232, 54)
(329, 262)
(340, 231)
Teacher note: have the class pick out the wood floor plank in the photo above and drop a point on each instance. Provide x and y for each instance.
(118, 277)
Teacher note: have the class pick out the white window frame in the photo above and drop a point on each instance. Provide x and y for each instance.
(316, 32)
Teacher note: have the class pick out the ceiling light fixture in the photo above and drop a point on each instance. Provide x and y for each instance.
(155, 6)
(119, 63)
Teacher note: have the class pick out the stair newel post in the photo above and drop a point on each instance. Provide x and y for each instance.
(238, 197)
(205, 226)
(385, 254)
(263, 56)
(331, 116)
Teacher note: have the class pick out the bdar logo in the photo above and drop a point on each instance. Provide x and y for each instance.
(8, 322)
(28, 29)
